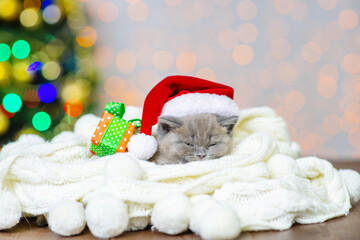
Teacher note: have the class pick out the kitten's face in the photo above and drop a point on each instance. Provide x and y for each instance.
(193, 138)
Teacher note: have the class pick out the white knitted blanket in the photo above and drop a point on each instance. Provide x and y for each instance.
(263, 179)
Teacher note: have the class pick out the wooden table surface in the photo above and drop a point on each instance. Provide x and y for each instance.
(344, 228)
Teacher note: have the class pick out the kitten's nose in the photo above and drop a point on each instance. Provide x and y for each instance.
(201, 156)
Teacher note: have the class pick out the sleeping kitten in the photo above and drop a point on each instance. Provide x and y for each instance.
(193, 138)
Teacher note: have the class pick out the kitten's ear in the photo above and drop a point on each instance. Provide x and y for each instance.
(167, 123)
(228, 122)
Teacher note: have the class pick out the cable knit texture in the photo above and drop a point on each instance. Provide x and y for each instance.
(263, 180)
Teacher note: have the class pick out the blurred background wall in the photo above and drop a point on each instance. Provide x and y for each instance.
(300, 57)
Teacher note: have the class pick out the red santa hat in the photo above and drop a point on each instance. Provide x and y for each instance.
(179, 96)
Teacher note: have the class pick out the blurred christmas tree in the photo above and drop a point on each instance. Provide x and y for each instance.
(46, 72)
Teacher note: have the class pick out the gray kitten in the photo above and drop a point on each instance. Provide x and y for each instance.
(193, 138)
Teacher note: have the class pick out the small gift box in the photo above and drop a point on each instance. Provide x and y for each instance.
(113, 133)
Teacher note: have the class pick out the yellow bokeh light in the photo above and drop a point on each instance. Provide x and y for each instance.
(243, 54)
(20, 71)
(287, 72)
(281, 48)
(329, 70)
(29, 17)
(103, 56)
(51, 70)
(227, 38)
(138, 11)
(86, 37)
(246, 10)
(327, 4)
(348, 19)
(295, 100)
(206, 73)
(114, 86)
(5, 72)
(331, 124)
(284, 6)
(311, 52)
(162, 60)
(334, 31)
(108, 12)
(4, 124)
(327, 87)
(148, 78)
(247, 33)
(126, 61)
(186, 62)
(75, 90)
(9, 9)
(351, 63)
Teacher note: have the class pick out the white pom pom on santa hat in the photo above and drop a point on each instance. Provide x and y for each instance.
(178, 96)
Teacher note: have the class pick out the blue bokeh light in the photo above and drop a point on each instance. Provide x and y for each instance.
(47, 93)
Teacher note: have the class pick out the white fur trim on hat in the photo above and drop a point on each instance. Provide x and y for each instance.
(195, 103)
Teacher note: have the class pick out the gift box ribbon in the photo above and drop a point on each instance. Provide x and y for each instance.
(113, 133)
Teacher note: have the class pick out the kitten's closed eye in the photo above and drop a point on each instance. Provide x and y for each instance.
(212, 145)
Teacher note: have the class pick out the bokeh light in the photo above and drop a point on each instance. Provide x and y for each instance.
(287, 72)
(4, 124)
(108, 12)
(301, 12)
(286, 113)
(264, 78)
(47, 93)
(295, 100)
(51, 14)
(247, 33)
(327, 4)
(206, 73)
(86, 37)
(114, 86)
(73, 107)
(327, 87)
(311, 52)
(354, 138)
(126, 61)
(12, 102)
(243, 54)
(78, 89)
(349, 122)
(51, 70)
(5, 72)
(348, 19)
(20, 71)
(5, 52)
(35, 4)
(12, 9)
(227, 38)
(246, 10)
(204, 8)
(148, 78)
(186, 62)
(284, 6)
(34, 68)
(31, 98)
(29, 17)
(351, 63)
(162, 60)
(138, 11)
(329, 70)
(41, 121)
(281, 48)
(103, 56)
(21, 49)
